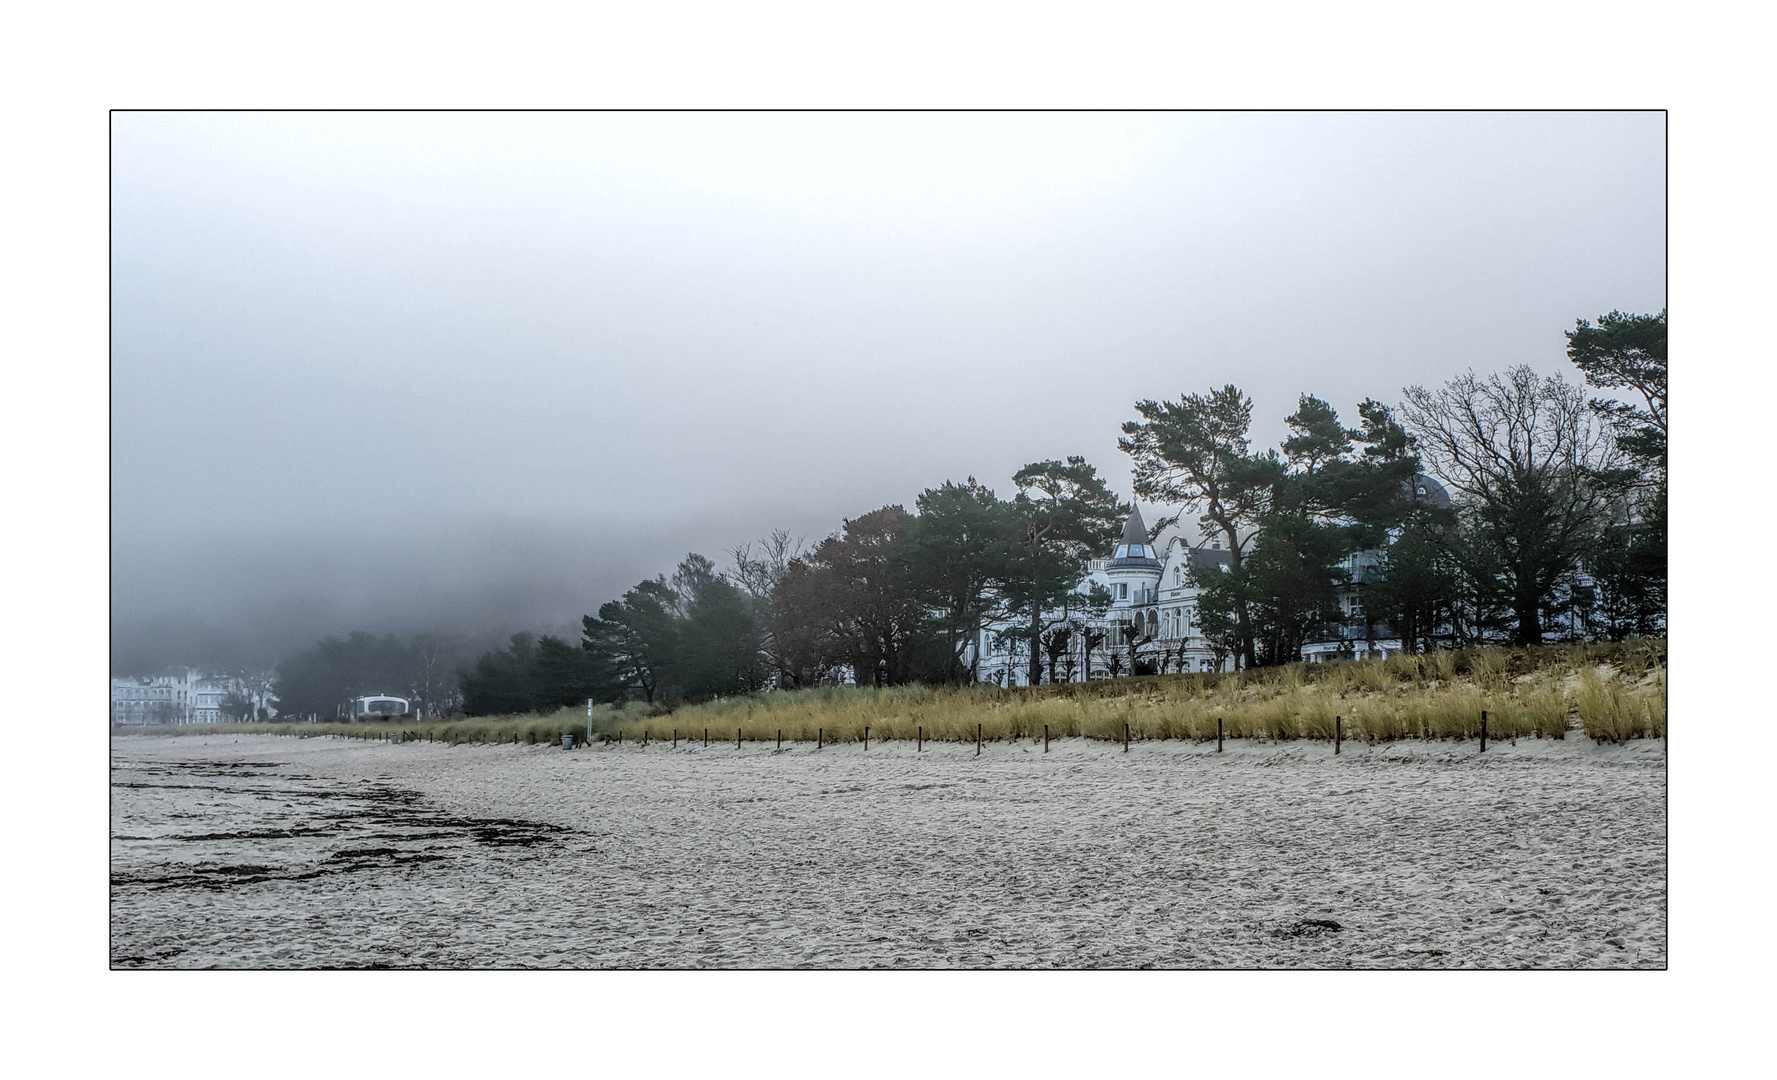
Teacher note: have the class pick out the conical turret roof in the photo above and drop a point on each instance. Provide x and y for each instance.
(1134, 530)
(1134, 551)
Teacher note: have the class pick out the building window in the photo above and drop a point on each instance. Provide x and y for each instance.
(1122, 590)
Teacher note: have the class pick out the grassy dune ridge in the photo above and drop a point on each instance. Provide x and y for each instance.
(1609, 691)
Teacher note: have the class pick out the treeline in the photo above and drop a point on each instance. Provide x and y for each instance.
(1555, 525)
(1559, 522)
(422, 668)
(694, 636)
(895, 597)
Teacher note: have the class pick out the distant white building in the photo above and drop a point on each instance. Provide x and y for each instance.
(206, 701)
(154, 699)
(379, 707)
(183, 696)
(1151, 592)
(1343, 637)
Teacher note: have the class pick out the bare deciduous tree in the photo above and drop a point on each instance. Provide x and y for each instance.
(1055, 645)
(435, 658)
(1526, 456)
(759, 568)
(1091, 638)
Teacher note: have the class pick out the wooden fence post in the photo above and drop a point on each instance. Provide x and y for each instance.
(780, 738)
(1218, 734)
(817, 738)
(1338, 733)
(921, 745)
(675, 738)
(1483, 731)
(706, 738)
(1126, 737)
(737, 738)
(977, 740)
(866, 736)
(1045, 738)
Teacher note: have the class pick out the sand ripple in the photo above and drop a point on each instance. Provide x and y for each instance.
(267, 852)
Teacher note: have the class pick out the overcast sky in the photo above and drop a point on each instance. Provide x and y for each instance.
(481, 372)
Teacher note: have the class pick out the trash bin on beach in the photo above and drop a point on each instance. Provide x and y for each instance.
(567, 742)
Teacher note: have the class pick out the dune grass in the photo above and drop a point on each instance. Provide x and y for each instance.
(1534, 693)
(1611, 691)
(1609, 711)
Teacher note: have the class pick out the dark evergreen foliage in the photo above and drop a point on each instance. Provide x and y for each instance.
(320, 681)
(1062, 517)
(502, 681)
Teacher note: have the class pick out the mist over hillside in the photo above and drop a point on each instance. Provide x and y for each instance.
(246, 600)
(482, 372)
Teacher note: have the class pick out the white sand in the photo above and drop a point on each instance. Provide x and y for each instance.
(338, 853)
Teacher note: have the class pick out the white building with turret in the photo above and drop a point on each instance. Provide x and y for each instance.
(1151, 624)
(1150, 594)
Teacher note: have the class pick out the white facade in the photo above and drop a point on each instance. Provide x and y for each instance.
(154, 699)
(1343, 638)
(207, 701)
(379, 707)
(1351, 644)
(182, 696)
(1150, 590)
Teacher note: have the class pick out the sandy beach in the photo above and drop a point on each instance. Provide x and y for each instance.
(267, 852)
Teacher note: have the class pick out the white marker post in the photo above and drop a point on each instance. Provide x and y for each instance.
(588, 721)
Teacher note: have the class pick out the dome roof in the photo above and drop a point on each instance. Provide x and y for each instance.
(1423, 490)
